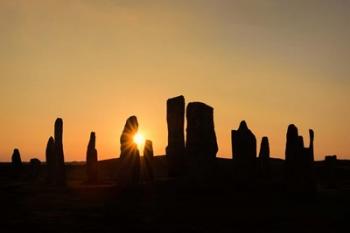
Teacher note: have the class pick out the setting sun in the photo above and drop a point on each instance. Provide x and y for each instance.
(139, 139)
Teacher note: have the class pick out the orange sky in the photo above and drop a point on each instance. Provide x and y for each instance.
(94, 63)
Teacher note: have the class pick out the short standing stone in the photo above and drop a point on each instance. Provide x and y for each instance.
(264, 156)
(51, 161)
(92, 160)
(299, 162)
(148, 159)
(244, 153)
(35, 167)
(331, 170)
(16, 160)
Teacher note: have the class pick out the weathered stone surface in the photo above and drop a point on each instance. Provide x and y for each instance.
(16, 160)
(92, 160)
(264, 157)
(60, 166)
(51, 161)
(175, 151)
(244, 153)
(148, 161)
(201, 144)
(129, 153)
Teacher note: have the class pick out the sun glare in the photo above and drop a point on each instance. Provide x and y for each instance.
(139, 139)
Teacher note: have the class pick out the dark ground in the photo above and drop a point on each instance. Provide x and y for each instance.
(27, 204)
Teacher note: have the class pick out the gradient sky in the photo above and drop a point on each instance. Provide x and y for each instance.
(94, 63)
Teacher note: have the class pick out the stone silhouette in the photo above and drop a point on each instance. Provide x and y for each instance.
(291, 154)
(60, 167)
(264, 157)
(148, 160)
(51, 161)
(201, 144)
(299, 161)
(129, 153)
(331, 170)
(16, 161)
(91, 160)
(244, 153)
(175, 151)
(35, 167)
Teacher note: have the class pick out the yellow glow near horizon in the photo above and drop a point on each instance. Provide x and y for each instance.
(139, 139)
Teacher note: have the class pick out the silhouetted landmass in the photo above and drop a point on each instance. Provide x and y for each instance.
(169, 204)
(175, 151)
(91, 160)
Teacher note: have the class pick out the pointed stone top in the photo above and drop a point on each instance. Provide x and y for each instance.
(243, 126)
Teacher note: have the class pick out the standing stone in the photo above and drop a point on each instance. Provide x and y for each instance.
(148, 158)
(331, 171)
(60, 166)
(16, 160)
(309, 181)
(201, 144)
(299, 171)
(129, 153)
(244, 153)
(35, 168)
(51, 161)
(264, 157)
(91, 160)
(175, 151)
(291, 154)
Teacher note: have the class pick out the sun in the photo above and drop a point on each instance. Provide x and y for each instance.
(139, 139)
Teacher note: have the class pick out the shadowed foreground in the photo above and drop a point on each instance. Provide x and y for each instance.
(169, 205)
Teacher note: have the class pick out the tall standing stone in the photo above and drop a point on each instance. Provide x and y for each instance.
(51, 161)
(264, 157)
(91, 160)
(148, 159)
(244, 153)
(201, 144)
(175, 151)
(60, 166)
(129, 153)
(291, 155)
